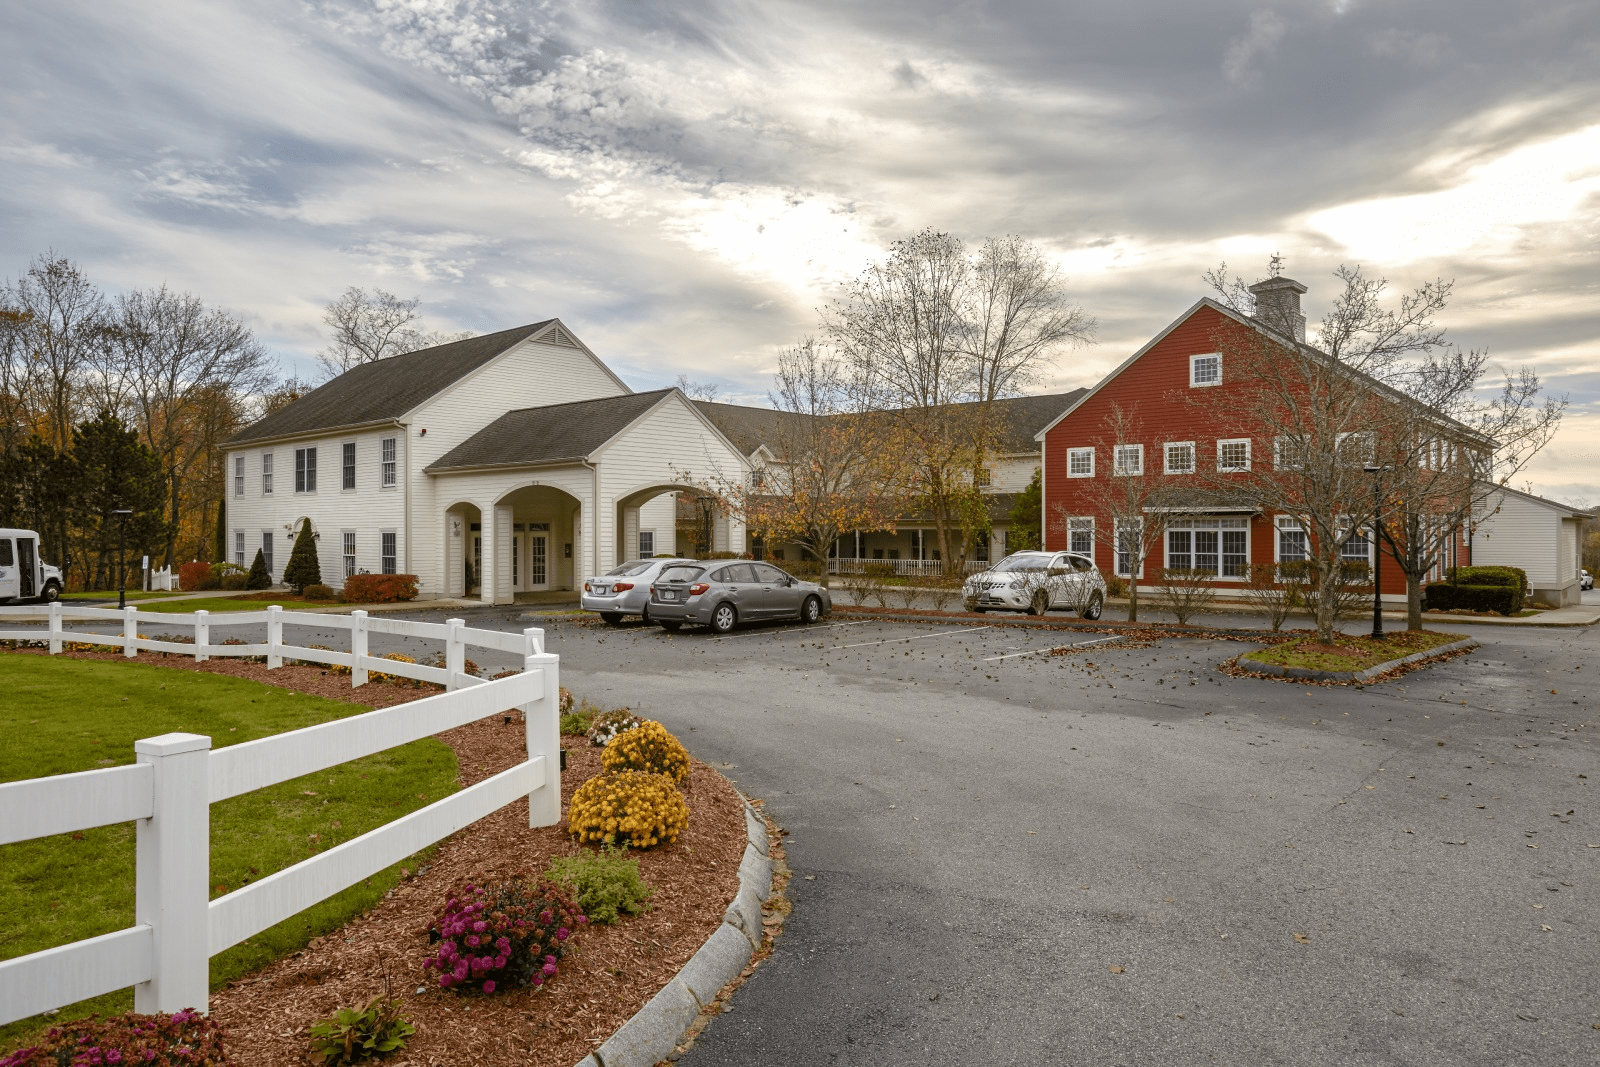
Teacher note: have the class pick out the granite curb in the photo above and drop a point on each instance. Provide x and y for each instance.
(1354, 676)
(655, 1030)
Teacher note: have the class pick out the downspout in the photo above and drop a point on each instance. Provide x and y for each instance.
(594, 522)
(405, 496)
(1044, 507)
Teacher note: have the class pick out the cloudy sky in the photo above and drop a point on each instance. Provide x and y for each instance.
(684, 184)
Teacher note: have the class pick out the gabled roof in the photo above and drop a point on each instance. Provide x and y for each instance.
(555, 433)
(747, 427)
(390, 388)
(1566, 510)
(1254, 324)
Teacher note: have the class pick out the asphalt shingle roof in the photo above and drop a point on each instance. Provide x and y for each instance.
(386, 389)
(555, 433)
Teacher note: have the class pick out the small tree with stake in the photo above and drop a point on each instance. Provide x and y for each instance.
(303, 569)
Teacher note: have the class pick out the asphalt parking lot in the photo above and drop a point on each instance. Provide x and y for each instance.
(1117, 855)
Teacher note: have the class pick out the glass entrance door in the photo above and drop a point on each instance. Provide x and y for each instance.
(538, 573)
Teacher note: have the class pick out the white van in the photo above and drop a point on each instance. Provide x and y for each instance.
(23, 576)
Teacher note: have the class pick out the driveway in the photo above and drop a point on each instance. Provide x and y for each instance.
(1117, 855)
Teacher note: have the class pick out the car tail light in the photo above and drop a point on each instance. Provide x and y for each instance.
(697, 588)
(586, 588)
(620, 586)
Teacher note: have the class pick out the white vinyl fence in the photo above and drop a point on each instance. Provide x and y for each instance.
(177, 777)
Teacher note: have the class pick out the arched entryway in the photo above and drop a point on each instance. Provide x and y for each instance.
(646, 522)
(540, 541)
(463, 550)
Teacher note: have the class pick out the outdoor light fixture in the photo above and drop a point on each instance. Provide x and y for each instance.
(122, 551)
(1377, 549)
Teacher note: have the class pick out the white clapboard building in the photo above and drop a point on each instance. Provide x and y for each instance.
(512, 462)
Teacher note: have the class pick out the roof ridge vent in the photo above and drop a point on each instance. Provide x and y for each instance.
(557, 336)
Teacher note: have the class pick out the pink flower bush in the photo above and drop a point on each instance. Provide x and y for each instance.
(184, 1037)
(510, 933)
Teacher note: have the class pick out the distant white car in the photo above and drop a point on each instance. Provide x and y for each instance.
(23, 575)
(1035, 582)
(1587, 581)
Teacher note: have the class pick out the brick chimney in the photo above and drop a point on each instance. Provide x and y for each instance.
(1278, 306)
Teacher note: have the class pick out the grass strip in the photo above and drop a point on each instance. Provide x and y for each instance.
(63, 715)
(1351, 652)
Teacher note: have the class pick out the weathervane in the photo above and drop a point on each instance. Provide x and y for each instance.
(1275, 268)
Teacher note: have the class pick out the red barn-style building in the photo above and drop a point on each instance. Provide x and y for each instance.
(1180, 438)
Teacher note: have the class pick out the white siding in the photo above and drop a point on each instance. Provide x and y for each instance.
(1011, 474)
(1518, 532)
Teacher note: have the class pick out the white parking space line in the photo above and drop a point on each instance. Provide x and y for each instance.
(791, 630)
(919, 637)
(1052, 648)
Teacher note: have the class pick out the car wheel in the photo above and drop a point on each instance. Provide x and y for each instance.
(52, 592)
(811, 610)
(1096, 604)
(672, 626)
(644, 616)
(1039, 604)
(611, 618)
(723, 618)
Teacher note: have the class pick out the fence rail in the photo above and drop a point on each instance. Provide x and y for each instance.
(169, 791)
(916, 568)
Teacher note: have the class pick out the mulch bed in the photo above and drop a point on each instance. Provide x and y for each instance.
(612, 972)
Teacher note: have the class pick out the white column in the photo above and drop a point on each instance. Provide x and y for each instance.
(542, 723)
(172, 869)
(455, 555)
(736, 535)
(630, 534)
(499, 517)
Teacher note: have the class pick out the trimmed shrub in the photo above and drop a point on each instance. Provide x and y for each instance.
(511, 933)
(1116, 586)
(606, 884)
(1514, 577)
(195, 576)
(237, 581)
(630, 808)
(1444, 596)
(650, 748)
(379, 588)
(321, 592)
(303, 568)
(355, 1034)
(184, 1037)
(259, 577)
(608, 724)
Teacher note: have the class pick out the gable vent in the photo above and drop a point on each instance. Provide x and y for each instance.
(557, 336)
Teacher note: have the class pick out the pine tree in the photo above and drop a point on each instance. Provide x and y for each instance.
(258, 578)
(303, 569)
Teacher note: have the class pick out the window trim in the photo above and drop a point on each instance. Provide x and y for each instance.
(1166, 455)
(305, 469)
(239, 549)
(238, 476)
(1290, 524)
(1248, 455)
(1278, 444)
(347, 546)
(347, 468)
(1116, 550)
(267, 464)
(651, 534)
(1194, 361)
(1077, 524)
(1221, 525)
(1071, 452)
(388, 563)
(1117, 468)
(388, 469)
(267, 541)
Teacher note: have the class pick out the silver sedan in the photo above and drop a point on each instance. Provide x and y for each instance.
(723, 594)
(625, 590)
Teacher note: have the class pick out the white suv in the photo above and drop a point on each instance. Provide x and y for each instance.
(1035, 582)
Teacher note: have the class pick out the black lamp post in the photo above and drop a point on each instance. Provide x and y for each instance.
(1377, 550)
(122, 555)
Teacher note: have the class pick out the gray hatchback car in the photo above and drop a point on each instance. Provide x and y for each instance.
(721, 594)
(624, 590)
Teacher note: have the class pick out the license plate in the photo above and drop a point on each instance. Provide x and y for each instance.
(665, 595)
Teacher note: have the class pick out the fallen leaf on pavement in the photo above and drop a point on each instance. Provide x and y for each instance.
(1302, 939)
(1114, 970)
(1545, 928)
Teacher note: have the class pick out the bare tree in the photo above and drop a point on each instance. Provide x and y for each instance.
(707, 391)
(369, 327)
(1019, 317)
(55, 326)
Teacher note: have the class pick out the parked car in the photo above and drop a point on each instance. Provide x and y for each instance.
(624, 590)
(23, 575)
(723, 594)
(1035, 582)
(1586, 581)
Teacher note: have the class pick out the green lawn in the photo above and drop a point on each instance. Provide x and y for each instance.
(63, 715)
(133, 594)
(223, 603)
(1363, 651)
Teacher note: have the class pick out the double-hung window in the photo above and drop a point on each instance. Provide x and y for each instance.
(647, 543)
(386, 461)
(238, 476)
(1356, 547)
(1080, 535)
(1080, 463)
(1289, 453)
(388, 552)
(266, 474)
(1233, 455)
(1128, 544)
(238, 547)
(1128, 461)
(266, 549)
(305, 470)
(1291, 541)
(349, 553)
(347, 465)
(1206, 369)
(1180, 457)
(1218, 546)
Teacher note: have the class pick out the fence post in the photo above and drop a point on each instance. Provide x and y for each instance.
(172, 867)
(130, 631)
(274, 637)
(202, 635)
(455, 653)
(541, 721)
(55, 627)
(358, 648)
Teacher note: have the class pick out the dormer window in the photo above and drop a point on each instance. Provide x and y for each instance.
(1206, 369)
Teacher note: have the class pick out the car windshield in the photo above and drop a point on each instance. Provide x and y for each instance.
(680, 573)
(1020, 562)
(633, 566)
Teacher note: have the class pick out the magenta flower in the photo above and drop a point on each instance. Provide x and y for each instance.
(472, 940)
(488, 987)
(563, 933)
(480, 926)
(499, 962)
(549, 969)
(114, 1056)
